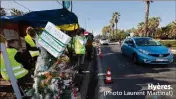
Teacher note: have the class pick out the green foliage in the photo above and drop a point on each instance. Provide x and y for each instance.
(116, 17)
(118, 34)
(153, 24)
(168, 32)
(106, 29)
(153, 30)
(16, 12)
(171, 43)
(121, 36)
(166, 42)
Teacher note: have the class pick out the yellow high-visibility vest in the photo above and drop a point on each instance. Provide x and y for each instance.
(79, 47)
(29, 40)
(17, 68)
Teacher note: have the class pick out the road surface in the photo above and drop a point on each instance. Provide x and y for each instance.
(128, 77)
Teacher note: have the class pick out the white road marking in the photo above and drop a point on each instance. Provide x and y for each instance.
(101, 74)
(104, 88)
(86, 71)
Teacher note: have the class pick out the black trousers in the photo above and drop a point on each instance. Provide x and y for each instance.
(89, 50)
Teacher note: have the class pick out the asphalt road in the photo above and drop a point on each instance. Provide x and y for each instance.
(129, 77)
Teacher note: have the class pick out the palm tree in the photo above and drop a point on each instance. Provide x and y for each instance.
(112, 26)
(132, 30)
(116, 17)
(146, 16)
(141, 24)
(153, 25)
(158, 33)
(16, 12)
(172, 29)
(106, 29)
(140, 29)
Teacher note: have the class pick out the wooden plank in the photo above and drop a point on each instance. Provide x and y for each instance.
(6, 88)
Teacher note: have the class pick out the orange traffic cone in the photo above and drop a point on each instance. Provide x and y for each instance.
(108, 79)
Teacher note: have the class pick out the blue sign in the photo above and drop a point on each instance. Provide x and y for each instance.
(66, 4)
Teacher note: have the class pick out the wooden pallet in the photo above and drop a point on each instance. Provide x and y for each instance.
(5, 86)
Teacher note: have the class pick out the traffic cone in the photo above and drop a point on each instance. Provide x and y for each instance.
(108, 79)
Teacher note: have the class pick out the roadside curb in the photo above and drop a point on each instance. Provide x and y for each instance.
(100, 80)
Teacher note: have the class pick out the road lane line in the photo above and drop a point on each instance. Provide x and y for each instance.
(101, 74)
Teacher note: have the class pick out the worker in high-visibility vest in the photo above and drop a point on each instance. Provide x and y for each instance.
(79, 46)
(13, 51)
(31, 43)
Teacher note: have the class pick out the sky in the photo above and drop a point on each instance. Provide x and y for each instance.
(94, 15)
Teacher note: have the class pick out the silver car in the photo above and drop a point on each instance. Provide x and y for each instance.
(104, 41)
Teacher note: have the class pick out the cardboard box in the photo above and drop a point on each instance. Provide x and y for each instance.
(55, 32)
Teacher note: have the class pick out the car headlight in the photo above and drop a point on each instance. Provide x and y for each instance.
(143, 51)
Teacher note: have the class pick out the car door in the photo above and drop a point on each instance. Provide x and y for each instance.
(130, 47)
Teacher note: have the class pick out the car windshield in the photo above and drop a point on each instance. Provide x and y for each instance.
(146, 42)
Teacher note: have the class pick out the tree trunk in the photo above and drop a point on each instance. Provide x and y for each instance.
(116, 30)
(146, 17)
(113, 32)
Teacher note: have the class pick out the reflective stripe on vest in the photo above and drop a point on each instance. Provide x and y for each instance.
(14, 68)
(17, 68)
(34, 53)
(29, 40)
(18, 75)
